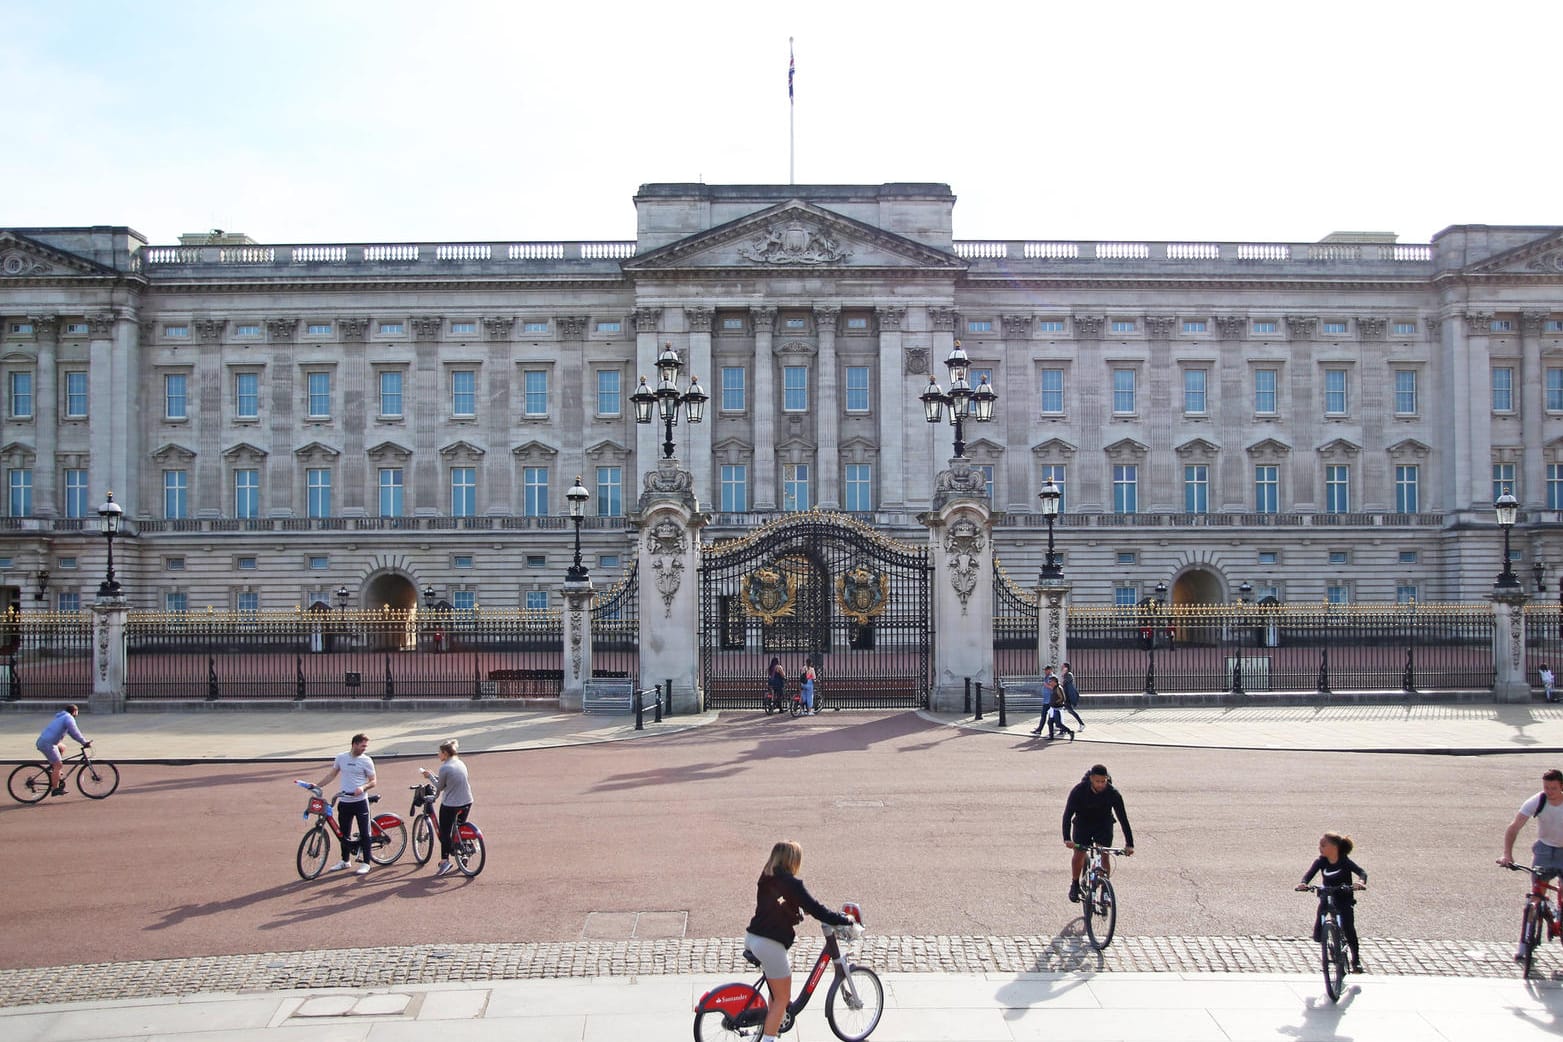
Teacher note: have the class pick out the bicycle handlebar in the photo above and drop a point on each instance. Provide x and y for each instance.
(1538, 872)
(1316, 889)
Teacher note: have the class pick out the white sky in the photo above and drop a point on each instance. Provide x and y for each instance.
(321, 121)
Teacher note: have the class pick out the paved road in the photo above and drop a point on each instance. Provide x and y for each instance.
(939, 830)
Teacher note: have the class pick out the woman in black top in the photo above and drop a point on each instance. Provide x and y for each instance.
(777, 681)
(1337, 868)
(779, 904)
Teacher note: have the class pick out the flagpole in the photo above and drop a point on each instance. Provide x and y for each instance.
(791, 135)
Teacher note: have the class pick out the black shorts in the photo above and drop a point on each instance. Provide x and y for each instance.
(1086, 834)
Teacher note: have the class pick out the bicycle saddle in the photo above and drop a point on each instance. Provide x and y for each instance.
(749, 957)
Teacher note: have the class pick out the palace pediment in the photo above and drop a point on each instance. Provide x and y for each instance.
(793, 237)
(1543, 256)
(25, 258)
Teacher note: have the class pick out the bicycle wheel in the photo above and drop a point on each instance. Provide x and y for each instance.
(853, 1016)
(29, 783)
(1332, 956)
(97, 780)
(1530, 937)
(469, 854)
(314, 850)
(712, 1025)
(1101, 913)
(387, 845)
(422, 839)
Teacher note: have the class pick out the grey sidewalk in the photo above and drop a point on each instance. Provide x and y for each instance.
(918, 1007)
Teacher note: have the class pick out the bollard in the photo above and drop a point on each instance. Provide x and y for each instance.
(979, 700)
(668, 709)
(640, 724)
(657, 718)
(668, 689)
(966, 705)
(1003, 719)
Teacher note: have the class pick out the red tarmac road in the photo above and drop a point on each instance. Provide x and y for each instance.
(936, 830)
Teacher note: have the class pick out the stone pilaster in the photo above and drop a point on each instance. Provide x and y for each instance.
(764, 481)
(431, 388)
(577, 644)
(697, 436)
(46, 419)
(108, 655)
(827, 412)
(960, 532)
(892, 409)
(1476, 494)
(1532, 391)
(667, 525)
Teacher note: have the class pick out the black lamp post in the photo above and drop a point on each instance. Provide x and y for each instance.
(1150, 662)
(341, 599)
(110, 514)
(1507, 509)
(577, 497)
(1051, 496)
(667, 397)
(1539, 570)
(963, 402)
(1244, 591)
(43, 584)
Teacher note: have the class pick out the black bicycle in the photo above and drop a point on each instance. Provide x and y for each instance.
(1098, 902)
(1332, 937)
(1541, 918)
(97, 779)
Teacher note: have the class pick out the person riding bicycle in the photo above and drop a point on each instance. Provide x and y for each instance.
(51, 742)
(779, 904)
(357, 771)
(1088, 819)
(1547, 852)
(451, 782)
(1334, 867)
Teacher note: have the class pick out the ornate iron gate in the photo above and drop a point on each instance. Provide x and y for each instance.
(818, 586)
(616, 629)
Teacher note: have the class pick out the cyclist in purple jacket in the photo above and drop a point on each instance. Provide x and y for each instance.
(51, 742)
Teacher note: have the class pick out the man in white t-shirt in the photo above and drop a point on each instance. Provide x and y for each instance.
(357, 771)
(1547, 852)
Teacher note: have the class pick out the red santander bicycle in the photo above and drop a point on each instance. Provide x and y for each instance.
(852, 1006)
(387, 835)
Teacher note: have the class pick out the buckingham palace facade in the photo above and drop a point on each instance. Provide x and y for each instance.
(1325, 421)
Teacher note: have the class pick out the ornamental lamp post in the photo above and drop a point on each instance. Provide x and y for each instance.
(962, 401)
(1539, 570)
(111, 515)
(1507, 508)
(1051, 496)
(1150, 647)
(43, 584)
(577, 497)
(1244, 591)
(341, 599)
(668, 398)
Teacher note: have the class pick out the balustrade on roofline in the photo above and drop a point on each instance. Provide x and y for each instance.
(385, 253)
(1394, 253)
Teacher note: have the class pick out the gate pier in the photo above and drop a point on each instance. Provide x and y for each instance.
(960, 532)
(668, 523)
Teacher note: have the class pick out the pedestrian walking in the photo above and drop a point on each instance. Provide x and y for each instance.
(1071, 696)
(1049, 680)
(1547, 681)
(1055, 713)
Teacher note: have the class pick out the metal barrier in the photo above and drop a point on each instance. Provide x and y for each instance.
(46, 655)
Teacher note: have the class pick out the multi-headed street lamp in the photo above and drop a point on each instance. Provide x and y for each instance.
(1507, 509)
(111, 515)
(962, 401)
(668, 398)
(577, 497)
(1051, 497)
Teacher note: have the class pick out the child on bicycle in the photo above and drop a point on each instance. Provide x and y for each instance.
(779, 904)
(1334, 867)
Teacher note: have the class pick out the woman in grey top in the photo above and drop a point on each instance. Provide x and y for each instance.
(455, 793)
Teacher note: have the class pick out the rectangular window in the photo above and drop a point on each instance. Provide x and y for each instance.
(537, 600)
(176, 603)
(1409, 557)
(534, 491)
(733, 324)
(1050, 325)
(1194, 325)
(1269, 557)
(318, 480)
(76, 329)
(795, 388)
(1334, 392)
(795, 323)
(392, 491)
(1501, 325)
(75, 395)
(613, 326)
(1502, 389)
(1334, 328)
(1337, 593)
(319, 385)
(176, 403)
(176, 494)
(1126, 596)
(980, 325)
(1054, 472)
(1194, 383)
(319, 563)
(534, 326)
(1337, 489)
(463, 392)
(76, 502)
(391, 392)
(1123, 392)
(69, 602)
(1405, 329)
(857, 388)
(1267, 488)
(246, 493)
(1405, 593)
(732, 388)
(177, 332)
(1053, 392)
(1555, 486)
(609, 392)
(246, 396)
(1340, 557)
(1123, 325)
(463, 328)
(392, 328)
(610, 491)
(463, 491)
(1554, 387)
(1264, 391)
(248, 602)
(19, 482)
(735, 488)
(536, 402)
(1405, 392)
(857, 323)
(318, 329)
(608, 561)
(1503, 480)
(1196, 488)
(461, 561)
(859, 487)
(248, 564)
(1551, 325)
(537, 560)
(1128, 557)
(464, 600)
(795, 487)
(986, 470)
(1126, 488)
(1406, 499)
(1265, 326)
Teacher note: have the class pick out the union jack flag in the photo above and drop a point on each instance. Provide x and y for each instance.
(791, 68)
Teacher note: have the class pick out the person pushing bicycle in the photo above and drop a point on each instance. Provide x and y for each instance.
(51, 742)
(357, 771)
(455, 790)
(1547, 852)
(1088, 819)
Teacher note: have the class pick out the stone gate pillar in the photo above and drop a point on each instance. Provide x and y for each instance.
(960, 533)
(1052, 623)
(108, 655)
(668, 523)
(1510, 684)
(577, 644)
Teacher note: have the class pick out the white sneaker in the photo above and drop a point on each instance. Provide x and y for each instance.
(363, 869)
(338, 866)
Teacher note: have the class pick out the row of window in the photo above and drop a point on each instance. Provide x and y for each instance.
(1127, 595)
(388, 328)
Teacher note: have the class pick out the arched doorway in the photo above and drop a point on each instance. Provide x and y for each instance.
(396, 592)
(1198, 586)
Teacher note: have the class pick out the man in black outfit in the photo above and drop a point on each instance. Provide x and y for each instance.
(1088, 818)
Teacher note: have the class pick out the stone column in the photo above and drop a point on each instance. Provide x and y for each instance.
(764, 483)
(577, 643)
(1162, 486)
(103, 392)
(892, 407)
(960, 531)
(827, 412)
(1533, 410)
(1510, 684)
(1477, 494)
(698, 435)
(108, 655)
(46, 419)
(431, 391)
(667, 524)
(1052, 623)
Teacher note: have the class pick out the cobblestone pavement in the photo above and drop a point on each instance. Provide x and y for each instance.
(440, 964)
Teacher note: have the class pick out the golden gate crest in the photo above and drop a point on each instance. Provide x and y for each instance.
(769, 594)
(862, 593)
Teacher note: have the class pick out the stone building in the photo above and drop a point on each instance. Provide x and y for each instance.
(1326, 420)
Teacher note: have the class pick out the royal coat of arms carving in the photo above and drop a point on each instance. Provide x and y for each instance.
(770, 594)
(794, 242)
(862, 592)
